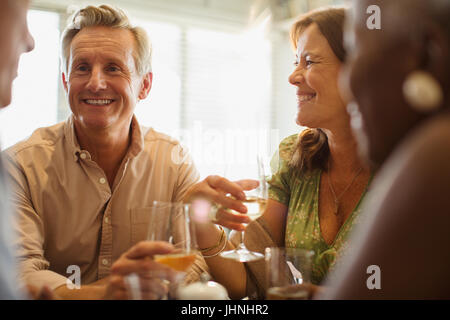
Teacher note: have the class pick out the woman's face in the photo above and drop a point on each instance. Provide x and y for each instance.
(315, 76)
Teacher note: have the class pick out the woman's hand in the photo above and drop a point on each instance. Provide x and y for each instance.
(226, 195)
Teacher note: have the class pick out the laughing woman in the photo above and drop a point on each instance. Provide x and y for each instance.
(319, 180)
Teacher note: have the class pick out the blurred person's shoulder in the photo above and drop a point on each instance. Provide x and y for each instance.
(432, 138)
(424, 155)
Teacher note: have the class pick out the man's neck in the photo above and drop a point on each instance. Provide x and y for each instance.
(106, 147)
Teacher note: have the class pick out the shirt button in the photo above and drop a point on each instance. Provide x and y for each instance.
(105, 262)
(102, 180)
(106, 219)
(83, 155)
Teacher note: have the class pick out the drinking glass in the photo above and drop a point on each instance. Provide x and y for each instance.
(288, 273)
(256, 201)
(172, 222)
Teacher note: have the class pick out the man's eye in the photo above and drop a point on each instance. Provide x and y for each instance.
(112, 68)
(309, 62)
(295, 63)
(82, 68)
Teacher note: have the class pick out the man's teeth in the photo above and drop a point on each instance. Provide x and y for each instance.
(306, 97)
(98, 102)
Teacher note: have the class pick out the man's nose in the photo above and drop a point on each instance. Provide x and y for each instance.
(96, 80)
(29, 41)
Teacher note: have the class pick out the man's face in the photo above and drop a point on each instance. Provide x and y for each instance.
(14, 40)
(102, 83)
(372, 80)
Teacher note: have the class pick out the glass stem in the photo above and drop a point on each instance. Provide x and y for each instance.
(242, 245)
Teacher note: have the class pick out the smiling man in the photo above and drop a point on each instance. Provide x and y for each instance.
(82, 188)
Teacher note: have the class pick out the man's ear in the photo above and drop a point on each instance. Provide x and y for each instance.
(146, 85)
(64, 81)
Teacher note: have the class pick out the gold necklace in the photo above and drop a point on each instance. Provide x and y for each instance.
(338, 198)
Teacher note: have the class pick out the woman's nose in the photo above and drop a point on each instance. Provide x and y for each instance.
(296, 76)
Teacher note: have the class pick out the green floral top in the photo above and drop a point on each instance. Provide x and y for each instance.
(300, 193)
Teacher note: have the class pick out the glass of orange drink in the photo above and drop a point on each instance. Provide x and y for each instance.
(172, 222)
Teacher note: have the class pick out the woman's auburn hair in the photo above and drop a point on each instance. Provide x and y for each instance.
(311, 150)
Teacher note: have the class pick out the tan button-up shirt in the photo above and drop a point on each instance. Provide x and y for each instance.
(68, 214)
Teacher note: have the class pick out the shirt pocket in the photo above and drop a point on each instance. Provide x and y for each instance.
(148, 225)
(140, 221)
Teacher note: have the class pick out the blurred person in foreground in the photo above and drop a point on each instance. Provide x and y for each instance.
(15, 39)
(318, 181)
(398, 78)
(82, 189)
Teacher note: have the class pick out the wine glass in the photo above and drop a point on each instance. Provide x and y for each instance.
(256, 201)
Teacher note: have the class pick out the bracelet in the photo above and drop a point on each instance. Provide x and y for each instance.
(217, 244)
(218, 252)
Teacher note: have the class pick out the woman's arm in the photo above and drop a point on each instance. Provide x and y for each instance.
(232, 274)
(275, 219)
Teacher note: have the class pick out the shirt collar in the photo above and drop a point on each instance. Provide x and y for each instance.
(136, 146)
(137, 138)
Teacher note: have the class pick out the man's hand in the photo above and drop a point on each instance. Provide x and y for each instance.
(137, 262)
(44, 293)
(227, 195)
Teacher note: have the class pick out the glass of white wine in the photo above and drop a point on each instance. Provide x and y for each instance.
(256, 201)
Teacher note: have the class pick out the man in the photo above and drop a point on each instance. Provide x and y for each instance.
(14, 40)
(83, 188)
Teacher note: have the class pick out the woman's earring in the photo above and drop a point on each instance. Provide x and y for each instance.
(422, 92)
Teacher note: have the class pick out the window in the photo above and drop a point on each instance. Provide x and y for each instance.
(211, 90)
(162, 108)
(227, 98)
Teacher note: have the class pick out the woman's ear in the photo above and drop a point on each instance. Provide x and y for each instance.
(146, 85)
(436, 53)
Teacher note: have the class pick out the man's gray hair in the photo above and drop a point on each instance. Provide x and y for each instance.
(107, 16)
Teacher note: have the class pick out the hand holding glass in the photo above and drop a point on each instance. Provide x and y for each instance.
(170, 222)
(256, 201)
